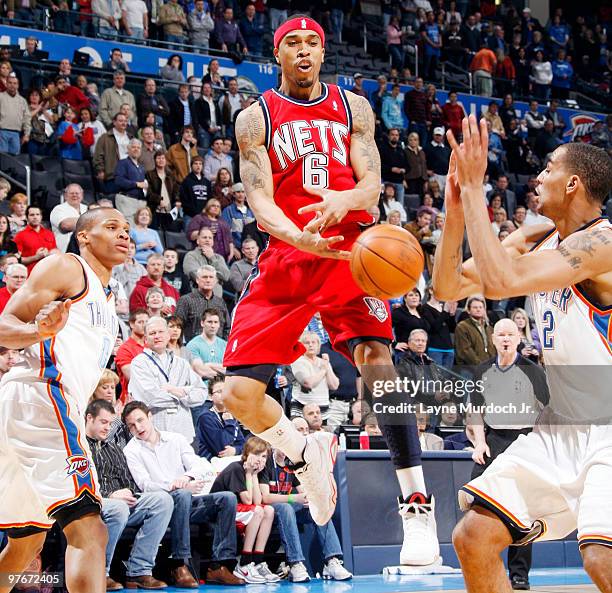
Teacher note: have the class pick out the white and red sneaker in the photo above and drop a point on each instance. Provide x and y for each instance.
(316, 475)
(420, 546)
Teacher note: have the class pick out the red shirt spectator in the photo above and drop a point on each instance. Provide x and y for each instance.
(71, 95)
(453, 113)
(35, 242)
(155, 271)
(130, 349)
(15, 276)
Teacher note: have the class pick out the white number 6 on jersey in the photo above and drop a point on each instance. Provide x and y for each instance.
(314, 170)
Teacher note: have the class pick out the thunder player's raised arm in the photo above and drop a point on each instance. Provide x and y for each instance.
(256, 174)
(39, 309)
(568, 193)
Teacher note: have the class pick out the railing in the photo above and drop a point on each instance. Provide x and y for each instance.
(16, 172)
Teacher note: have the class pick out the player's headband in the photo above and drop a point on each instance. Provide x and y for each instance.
(297, 24)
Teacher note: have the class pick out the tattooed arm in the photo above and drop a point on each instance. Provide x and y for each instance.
(365, 161)
(256, 174)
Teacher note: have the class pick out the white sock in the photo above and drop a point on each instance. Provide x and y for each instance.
(285, 436)
(411, 480)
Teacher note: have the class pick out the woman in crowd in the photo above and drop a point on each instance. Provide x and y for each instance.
(222, 188)
(17, 219)
(436, 115)
(129, 272)
(441, 319)
(211, 218)
(417, 165)
(541, 76)
(91, 130)
(173, 70)
(523, 69)
(5, 70)
(314, 377)
(213, 76)
(162, 193)
(507, 111)
(69, 137)
(495, 203)
(428, 202)
(43, 125)
(107, 390)
(154, 299)
(242, 478)
(499, 216)
(408, 317)
(146, 239)
(388, 203)
(395, 218)
(395, 43)
(7, 245)
(433, 188)
(530, 346)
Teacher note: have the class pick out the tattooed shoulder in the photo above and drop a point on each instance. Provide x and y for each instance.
(250, 128)
(363, 116)
(586, 244)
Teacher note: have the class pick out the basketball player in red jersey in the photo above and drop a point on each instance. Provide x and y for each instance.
(311, 169)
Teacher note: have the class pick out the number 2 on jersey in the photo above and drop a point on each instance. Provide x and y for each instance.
(314, 170)
(548, 339)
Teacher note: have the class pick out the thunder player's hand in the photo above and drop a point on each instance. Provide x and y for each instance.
(332, 208)
(478, 456)
(452, 192)
(52, 318)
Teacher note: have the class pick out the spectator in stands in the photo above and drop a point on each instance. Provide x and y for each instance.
(5, 262)
(108, 15)
(14, 278)
(209, 349)
(152, 102)
(135, 18)
(162, 192)
(147, 240)
(228, 35)
(204, 255)
(195, 190)
(230, 103)
(18, 219)
(15, 118)
(546, 140)
(165, 383)
(182, 113)
(213, 76)
(532, 216)
(180, 155)
(504, 72)
(90, 131)
(358, 85)
(35, 242)
(507, 111)
(417, 165)
(5, 188)
(219, 433)
(438, 157)
(154, 277)
(530, 346)
(441, 319)
(431, 39)
(43, 122)
(154, 300)
(64, 216)
(471, 34)
(112, 99)
(129, 272)
(312, 414)
(238, 214)
(314, 377)
(70, 95)
(252, 31)
(192, 306)
(377, 96)
(455, 51)
(110, 149)
(473, 336)
(133, 346)
(492, 116)
(415, 108)
(8, 359)
(393, 158)
(483, 66)
(453, 114)
(182, 473)
(174, 275)
(395, 43)
(7, 245)
(388, 204)
(150, 147)
(68, 137)
(222, 187)
(499, 216)
(173, 71)
(535, 120)
(241, 269)
(563, 74)
(172, 18)
(130, 181)
(541, 76)
(210, 218)
(428, 440)
(124, 504)
(558, 121)
(406, 318)
(558, 34)
(508, 197)
(208, 115)
(200, 24)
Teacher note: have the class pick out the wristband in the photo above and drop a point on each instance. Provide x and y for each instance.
(290, 498)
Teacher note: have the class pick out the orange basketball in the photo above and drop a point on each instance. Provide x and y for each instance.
(386, 261)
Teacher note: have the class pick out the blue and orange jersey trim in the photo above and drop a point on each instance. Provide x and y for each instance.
(600, 316)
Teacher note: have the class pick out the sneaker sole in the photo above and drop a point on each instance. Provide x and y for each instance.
(333, 452)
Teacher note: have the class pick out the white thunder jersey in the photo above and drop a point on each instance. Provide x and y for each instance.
(74, 359)
(576, 336)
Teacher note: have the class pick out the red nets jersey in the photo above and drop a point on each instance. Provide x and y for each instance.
(309, 144)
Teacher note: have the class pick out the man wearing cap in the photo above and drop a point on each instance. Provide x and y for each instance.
(311, 169)
(358, 86)
(238, 214)
(438, 157)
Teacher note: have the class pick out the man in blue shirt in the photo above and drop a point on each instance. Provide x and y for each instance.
(392, 109)
(563, 74)
(208, 346)
(432, 42)
(219, 433)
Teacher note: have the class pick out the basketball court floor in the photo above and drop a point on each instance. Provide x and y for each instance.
(542, 581)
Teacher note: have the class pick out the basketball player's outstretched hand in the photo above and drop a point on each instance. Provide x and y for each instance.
(452, 193)
(312, 242)
(471, 155)
(52, 318)
(332, 208)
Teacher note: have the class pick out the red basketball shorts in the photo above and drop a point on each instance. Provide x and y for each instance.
(285, 290)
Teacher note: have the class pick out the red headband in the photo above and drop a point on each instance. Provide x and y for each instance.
(297, 24)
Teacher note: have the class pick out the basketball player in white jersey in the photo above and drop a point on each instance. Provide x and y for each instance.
(559, 477)
(64, 319)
